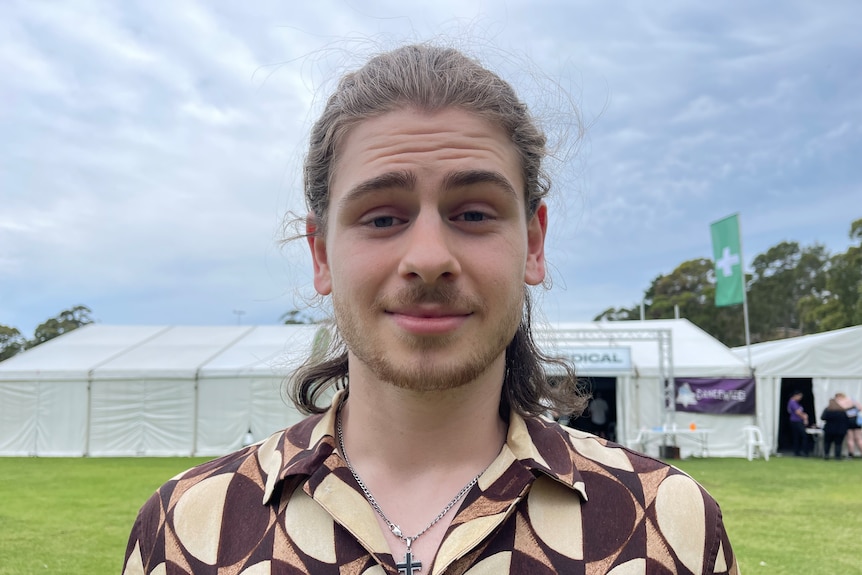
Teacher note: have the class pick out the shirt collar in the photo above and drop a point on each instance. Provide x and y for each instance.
(539, 446)
(544, 447)
(301, 449)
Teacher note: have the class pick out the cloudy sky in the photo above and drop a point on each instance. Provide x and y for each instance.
(149, 149)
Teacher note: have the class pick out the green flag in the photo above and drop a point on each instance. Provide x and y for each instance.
(729, 278)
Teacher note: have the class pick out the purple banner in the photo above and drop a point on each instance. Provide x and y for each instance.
(704, 395)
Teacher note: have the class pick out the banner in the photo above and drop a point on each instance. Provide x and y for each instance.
(597, 360)
(729, 276)
(725, 395)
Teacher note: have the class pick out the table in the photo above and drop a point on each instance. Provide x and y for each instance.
(816, 434)
(670, 434)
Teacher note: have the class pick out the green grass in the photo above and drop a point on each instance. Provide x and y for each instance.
(73, 516)
(787, 516)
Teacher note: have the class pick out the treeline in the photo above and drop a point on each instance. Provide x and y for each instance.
(792, 291)
(12, 341)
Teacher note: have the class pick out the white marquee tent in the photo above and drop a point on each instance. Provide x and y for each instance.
(107, 390)
(640, 393)
(833, 361)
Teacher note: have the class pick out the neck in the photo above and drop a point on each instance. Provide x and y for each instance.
(402, 443)
(408, 432)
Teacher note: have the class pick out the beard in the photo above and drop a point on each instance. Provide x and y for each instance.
(428, 363)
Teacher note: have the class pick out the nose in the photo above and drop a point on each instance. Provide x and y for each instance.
(428, 250)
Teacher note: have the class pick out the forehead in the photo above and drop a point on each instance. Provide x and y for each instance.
(427, 144)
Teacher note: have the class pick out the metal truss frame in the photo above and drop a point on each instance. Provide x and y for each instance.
(662, 337)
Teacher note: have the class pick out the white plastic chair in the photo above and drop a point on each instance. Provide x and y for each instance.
(754, 442)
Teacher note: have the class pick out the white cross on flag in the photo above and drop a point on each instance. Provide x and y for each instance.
(729, 279)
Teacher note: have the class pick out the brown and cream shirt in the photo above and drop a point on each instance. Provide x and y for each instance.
(554, 501)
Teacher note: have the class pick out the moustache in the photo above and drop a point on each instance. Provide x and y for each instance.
(440, 294)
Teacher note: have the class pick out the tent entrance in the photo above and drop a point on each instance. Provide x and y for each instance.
(789, 385)
(606, 388)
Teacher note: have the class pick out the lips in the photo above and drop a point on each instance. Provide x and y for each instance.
(428, 311)
(429, 320)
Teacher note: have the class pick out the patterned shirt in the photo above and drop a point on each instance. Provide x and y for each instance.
(555, 500)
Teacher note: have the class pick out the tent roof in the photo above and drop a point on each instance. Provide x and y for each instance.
(74, 354)
(835, 353)
(695, 352)
(111, 351)
(122, 352)
(266, 350)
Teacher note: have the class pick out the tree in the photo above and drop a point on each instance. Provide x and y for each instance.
(618, 314)
(66, 321)
(691, 288)
(296, 317)
(11, 342)
(791, 291)
(787, 283)
(842, 303)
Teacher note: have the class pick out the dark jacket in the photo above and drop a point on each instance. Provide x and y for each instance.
(836, 420)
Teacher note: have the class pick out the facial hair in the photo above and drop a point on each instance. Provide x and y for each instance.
(427, 367)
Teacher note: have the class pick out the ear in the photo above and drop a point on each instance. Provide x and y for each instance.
(537, 227)
(317, 244)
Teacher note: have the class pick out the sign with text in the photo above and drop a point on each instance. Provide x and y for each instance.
(716, 395)
(595, 360)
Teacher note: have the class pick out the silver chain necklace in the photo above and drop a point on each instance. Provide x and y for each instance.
(410, 564)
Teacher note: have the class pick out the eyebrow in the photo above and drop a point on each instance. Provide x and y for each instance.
(407, 180)
(389, 180)
(467, 178)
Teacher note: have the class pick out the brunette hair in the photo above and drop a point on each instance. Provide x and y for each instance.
(431, 78)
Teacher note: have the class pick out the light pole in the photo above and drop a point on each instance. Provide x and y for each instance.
(239, 313)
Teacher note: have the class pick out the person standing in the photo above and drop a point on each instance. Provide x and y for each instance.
(854, 429)
(599, 415)
(426, 226)
(834, 428)
(798, 423)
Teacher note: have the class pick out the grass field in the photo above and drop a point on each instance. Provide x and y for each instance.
(786, 516)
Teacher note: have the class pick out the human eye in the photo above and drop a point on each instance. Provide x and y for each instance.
(382, 222)
(473, 216)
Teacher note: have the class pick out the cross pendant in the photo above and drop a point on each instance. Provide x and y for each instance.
(408, 566)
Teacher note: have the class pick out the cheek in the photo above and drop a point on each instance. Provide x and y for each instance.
(503, 271)
(353, 267)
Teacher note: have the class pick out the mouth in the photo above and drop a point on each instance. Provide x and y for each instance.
(429, 320)
(428, 311)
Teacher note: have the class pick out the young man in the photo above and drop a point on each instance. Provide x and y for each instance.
(426, 226)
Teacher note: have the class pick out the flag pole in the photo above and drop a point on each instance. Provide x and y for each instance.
(744, 296)
(727, 254)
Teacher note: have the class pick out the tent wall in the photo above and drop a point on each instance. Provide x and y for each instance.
(142, 417)
(271, 411)
(149, 417)
(18, 416)
(224, 415)
(43, 418)
(768, 408)
(639, 400)
(61, 426)
(229, 407)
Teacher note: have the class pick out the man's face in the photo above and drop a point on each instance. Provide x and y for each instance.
(428, 247)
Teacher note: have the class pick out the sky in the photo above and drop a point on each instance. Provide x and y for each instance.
(150, 149)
